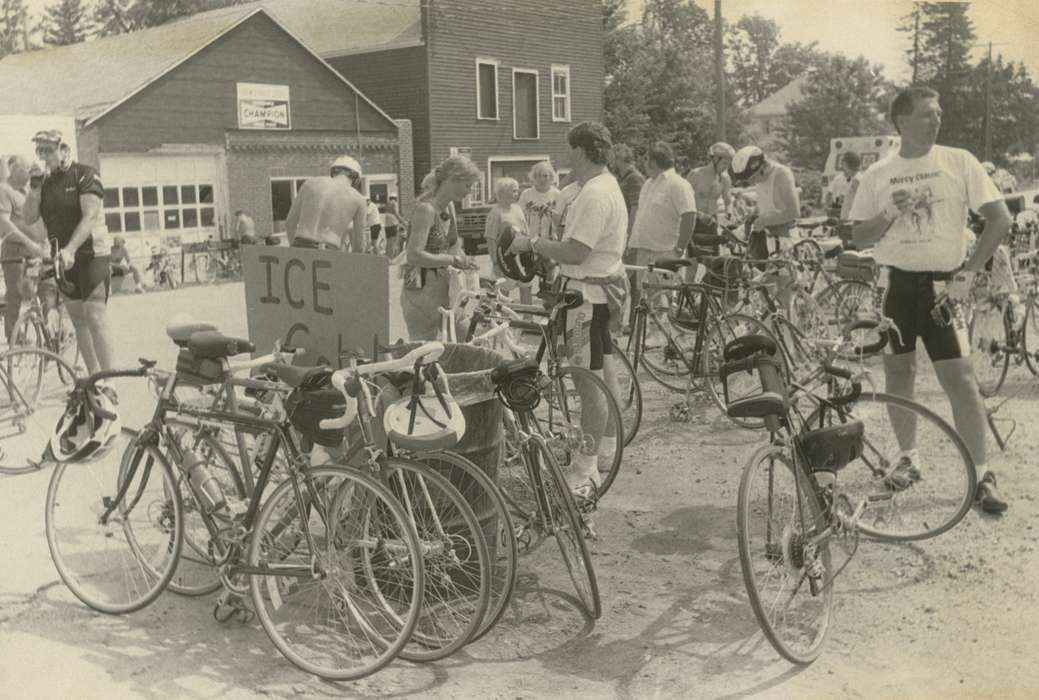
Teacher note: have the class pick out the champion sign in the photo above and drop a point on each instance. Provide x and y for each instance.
(263, 106)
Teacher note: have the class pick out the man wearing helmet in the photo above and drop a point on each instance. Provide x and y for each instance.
(778, 205)
(68, 198)
(330, 213)
(712, 181)
(911, 207)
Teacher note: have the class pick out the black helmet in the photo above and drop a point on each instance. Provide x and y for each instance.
(519, 267)
(746, 163)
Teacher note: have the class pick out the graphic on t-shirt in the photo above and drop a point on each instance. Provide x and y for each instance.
(917, 212)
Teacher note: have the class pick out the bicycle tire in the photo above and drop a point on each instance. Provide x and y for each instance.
(28, 331)
(458, 588)
(723, 331)
(845, 301)
(493, 513)
(779, 554)
(34, 385)
(63, 336)
(565, 523)
(629, 401)
(931, 505)
(1030, 330)
(560, 420)
(663, 350)
(355, 637)
(148, 526)
(989, 347)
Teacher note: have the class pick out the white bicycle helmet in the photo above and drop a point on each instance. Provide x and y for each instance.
(746, 163)
(721, 150)
(348, 163)
(421, 424)
(82, 433)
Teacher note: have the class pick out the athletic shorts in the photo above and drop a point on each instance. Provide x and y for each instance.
(374, 230)
(909, 301)
(85, 277)
(587, 335)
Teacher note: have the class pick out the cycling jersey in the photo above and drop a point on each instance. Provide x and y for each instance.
(61, 211)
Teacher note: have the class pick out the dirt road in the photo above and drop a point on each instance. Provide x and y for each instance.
(955, 617)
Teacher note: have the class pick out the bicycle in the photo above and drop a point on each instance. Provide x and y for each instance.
(45, 325)
(793, 508)
(314, 555)
(33, 388)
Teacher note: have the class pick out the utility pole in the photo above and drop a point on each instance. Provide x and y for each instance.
(916, 40)
(719, 70)
(988, 104)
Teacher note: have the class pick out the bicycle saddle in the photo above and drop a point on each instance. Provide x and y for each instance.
(180, 332)
(748, 345)
(673, 264)
(523, 366)
(214, 345)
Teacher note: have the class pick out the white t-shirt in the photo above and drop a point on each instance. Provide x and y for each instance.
(537, 207)
(931, 234)
(598, 218)
(372, 215)
(566, 198)
(663, 200)
(839, 186)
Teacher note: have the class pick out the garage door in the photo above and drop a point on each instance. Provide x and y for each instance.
(155, 200)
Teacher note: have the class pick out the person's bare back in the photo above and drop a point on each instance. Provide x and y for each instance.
(324, 209)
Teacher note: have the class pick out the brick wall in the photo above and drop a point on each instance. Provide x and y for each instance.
(406, 165)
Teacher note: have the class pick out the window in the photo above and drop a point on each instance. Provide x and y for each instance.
(525, 118)
(283, 192)
(154, 208)
(560, 93)
(486, 89)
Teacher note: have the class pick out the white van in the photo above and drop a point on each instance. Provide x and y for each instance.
(870, 150)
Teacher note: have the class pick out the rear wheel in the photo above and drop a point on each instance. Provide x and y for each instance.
(664, 349)
(1030, 337)
(989, 347)
(789, 579)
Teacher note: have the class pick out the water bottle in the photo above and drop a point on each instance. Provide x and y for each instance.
(204, 483)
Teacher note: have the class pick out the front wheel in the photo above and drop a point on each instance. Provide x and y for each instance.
(788, 576)
(989, 351)
(629, 399)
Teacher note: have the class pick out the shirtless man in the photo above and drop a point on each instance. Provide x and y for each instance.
(326, 207)
(712, 180)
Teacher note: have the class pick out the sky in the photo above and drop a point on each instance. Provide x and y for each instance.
(867, 27)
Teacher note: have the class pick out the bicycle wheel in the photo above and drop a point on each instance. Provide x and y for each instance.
(479, 491)
(563, 520)
(34, 386)
(63, 335)
(1030, 337)
(935, 502)
(664, 350)
(845, 301)
(116, 554)
(723, 331)
(579, 418)
(988, 347)
(789, 580)
(455, 558)
(203, 268)
(517, 489)
(333, 625)
(28, 331)
(197, 572)
(629, 400)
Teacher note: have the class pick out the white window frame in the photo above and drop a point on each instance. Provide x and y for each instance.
(537, 103)
(499, 159)
(497, 89)
(564, 69)
(291, 179)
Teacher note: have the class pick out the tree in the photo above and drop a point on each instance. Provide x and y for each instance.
(119, 16)
(759, 64)
(65, 22)
(842, 97)
(14, 27)
(1015, 109)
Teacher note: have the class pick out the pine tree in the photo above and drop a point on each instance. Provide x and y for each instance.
(65, 22)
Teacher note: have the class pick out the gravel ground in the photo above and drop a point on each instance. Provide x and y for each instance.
(954, 617)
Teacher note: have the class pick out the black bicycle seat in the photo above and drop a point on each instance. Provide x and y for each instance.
(214, 345)
(747, 345)
(180, 333)
(501, 375)
(672, 264)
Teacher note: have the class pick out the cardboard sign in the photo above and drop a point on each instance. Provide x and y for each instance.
(324, 301)
(263, 106)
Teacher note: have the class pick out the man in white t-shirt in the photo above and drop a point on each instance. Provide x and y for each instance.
(911, 207)
(590, 258)
(666, 215)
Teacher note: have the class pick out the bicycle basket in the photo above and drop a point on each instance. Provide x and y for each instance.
(830, 449)
(313, 401)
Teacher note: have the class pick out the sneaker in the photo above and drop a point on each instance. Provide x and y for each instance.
(904, 474)
(987, 497)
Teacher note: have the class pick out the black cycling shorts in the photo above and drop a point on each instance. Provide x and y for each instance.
(85, 277)
(909, 301)
(587, 335)
(374, 230)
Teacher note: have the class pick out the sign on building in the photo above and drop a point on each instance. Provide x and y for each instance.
(324, 301)
(263, 106)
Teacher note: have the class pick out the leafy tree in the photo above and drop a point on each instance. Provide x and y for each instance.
(759, 64)
(1015, 109)
(119, 16)
(842, 97)
(14, 27)
(65, 22)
